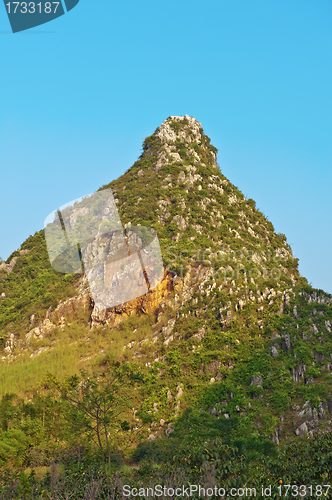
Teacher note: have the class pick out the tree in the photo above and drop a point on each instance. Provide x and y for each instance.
(96, 404)
(8, 411)
(13, 445)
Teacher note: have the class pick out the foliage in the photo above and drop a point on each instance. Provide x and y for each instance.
(96, 404)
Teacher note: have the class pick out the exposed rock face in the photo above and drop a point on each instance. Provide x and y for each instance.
(306, 412)
(147, 303)
(179, 128)
(39, 331)
(154, 300)
(166, 132)
(298, 373)
(66, 312)
(312, 417)
(314, 297)
(69, 309)
(9, 267)
(82, 304)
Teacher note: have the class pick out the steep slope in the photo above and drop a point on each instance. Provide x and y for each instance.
(233, 319)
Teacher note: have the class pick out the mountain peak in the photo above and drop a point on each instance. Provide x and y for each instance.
(182, 128)
(180, 140)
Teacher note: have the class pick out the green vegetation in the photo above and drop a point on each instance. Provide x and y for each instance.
(250, 464)
(32, 286)
(170, 394)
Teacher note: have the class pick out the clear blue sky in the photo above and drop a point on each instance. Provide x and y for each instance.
(79, 94)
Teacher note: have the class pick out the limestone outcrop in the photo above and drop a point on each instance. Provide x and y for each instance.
(9, 267)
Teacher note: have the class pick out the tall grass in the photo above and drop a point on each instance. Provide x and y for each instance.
(74, 348)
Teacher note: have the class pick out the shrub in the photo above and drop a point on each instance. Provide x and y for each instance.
(159, 451)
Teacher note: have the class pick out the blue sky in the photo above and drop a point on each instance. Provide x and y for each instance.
(80, 94)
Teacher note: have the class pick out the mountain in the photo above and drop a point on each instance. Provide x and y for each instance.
(232, 335)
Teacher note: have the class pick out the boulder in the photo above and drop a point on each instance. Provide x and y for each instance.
(179, 391)
(256, 380)
(321, 410)
(274, 351)
(286, 343)
(10, 344)
(302, 429)
(306, 413)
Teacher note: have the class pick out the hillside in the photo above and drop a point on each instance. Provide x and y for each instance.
(233, 342)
